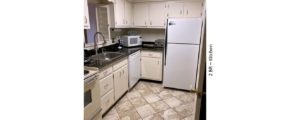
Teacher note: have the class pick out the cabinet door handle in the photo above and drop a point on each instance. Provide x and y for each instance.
(123, 72)
(150, 22)
(180, 12)
(187, 12)
(158, 62)
(126, 21)
(145, 22)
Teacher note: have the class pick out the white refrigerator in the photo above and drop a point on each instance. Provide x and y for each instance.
(181, 53)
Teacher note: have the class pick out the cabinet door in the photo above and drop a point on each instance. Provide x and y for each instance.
(151, 68)
(120, 82)
(157, 14)
(119, 12)
(125, 79)
(128, 14)
(192, 9)
(140, 14)
(86, 17)
(175, 9)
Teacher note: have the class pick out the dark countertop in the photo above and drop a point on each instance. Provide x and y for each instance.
(125, 53)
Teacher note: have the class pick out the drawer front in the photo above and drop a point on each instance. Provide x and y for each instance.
(106, 84)
(120, 64)
(105, 72)
(151, 54)
(107, 101)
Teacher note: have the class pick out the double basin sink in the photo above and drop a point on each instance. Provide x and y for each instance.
(107, 56)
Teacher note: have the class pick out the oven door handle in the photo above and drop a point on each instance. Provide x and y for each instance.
(90, 79)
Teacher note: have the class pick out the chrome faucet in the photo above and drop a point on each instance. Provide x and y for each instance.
(95, 44)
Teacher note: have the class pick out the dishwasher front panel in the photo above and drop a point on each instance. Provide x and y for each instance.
(134, 68)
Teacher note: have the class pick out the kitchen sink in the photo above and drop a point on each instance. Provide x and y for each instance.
(107, 56)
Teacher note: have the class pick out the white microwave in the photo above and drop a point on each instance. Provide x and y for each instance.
(131, 41)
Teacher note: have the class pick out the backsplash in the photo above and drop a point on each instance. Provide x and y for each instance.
(149, 35)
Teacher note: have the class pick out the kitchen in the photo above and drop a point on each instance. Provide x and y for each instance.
(143, 59)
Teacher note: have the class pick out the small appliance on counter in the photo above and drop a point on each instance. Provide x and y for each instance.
(131, 40)
(148, 44)
(159, 43)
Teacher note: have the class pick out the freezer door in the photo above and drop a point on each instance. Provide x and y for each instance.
(185, 30)
(181, 66)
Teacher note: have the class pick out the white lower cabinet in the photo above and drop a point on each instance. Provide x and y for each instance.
(113, 84)
(106, 84)
(121, 81)
(107, 101)
(151, 65)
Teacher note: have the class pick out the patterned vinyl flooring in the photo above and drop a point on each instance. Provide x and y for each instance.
(150, 101)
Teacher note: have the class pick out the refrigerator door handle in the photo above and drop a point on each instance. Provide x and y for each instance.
(171, 23)
(165, 47)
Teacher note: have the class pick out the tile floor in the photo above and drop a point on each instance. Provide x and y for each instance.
(150, 101)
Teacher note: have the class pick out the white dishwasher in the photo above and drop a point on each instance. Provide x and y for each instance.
(134, 68)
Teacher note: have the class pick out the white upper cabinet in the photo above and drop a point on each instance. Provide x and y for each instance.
(128, 14)
(152, 14)
(192, 9)
(123, 13)
(86, 15)
(157, 14)
(119, 10)
(175, 9)
(140, 14)
(184, 9)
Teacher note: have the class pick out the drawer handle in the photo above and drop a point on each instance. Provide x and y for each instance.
(150, 54)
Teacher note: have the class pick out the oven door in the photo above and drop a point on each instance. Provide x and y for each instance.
(91, 99)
